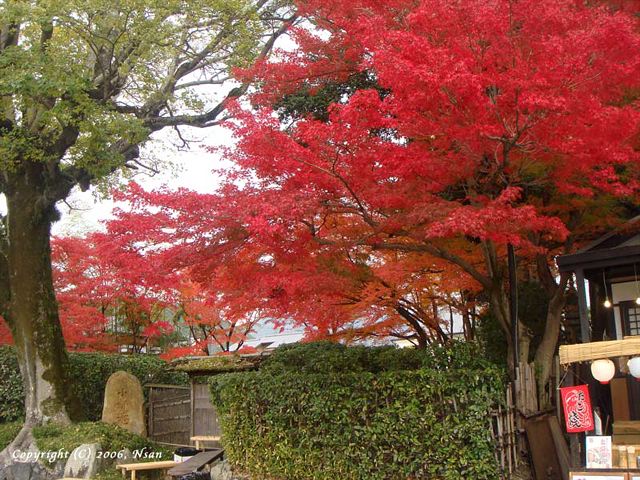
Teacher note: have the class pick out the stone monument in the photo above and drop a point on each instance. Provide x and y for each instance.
(83, 462)
(124, 403)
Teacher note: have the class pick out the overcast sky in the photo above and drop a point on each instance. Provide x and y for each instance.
(192, 169)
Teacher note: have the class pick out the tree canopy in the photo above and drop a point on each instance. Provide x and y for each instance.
(83, 85)
(480, 124)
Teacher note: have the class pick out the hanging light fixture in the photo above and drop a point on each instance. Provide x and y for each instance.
(634, 367)
(603, 370)
(607, 303)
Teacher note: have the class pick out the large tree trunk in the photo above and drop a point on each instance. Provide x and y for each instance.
(33, 310)
(547, 348)
(499, 302)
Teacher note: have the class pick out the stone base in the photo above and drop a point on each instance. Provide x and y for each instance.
(222, 471)
(27, 471)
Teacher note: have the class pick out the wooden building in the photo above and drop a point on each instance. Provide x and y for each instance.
(608, 288)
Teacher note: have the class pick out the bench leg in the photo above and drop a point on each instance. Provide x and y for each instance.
(133, 475)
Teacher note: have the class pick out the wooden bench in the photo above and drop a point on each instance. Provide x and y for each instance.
(135, 467)
(200, 439)
(197, 462)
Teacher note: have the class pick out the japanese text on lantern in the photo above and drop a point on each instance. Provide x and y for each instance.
(577, 408)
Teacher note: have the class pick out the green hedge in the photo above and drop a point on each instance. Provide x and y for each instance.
(321, 411)
(91, 372)
(326, 357)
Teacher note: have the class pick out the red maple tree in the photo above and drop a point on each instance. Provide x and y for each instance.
(238, 273)
(493, 122)
(110, 293)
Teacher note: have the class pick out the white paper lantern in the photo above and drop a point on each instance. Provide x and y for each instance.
(603, 370)
(634, 367)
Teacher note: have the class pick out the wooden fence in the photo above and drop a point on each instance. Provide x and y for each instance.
(169, 414)
(509, 421)
(176, 413)
(505, 435)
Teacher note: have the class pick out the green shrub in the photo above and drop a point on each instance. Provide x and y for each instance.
(355, 413)
(91, 370)
(326, 357)
(11, 393)
(8, 432)
(94, 369)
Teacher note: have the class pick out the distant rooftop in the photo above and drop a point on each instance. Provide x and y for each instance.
(267, 337)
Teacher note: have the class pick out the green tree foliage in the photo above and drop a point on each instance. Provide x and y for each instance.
(315, 100)
(83, 85)
(533, 303)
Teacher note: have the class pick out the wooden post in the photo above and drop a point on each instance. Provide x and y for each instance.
(556, 385)
(193, 408)
(585, 331)
(513, 310)
(150, 417)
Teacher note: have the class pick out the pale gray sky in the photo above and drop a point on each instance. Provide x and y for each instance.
(191, 169)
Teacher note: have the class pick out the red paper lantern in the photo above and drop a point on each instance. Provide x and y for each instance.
(578, 414)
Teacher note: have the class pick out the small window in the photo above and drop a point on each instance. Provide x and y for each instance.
(630, 317)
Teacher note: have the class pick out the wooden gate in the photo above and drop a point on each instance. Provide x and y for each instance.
(203, 415)
(169, 414)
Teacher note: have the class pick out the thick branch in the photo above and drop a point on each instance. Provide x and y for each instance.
(203, 120)
(544, 274)
(440, 253)
(209, 118)
(197, 83)
(9, 34)
(61, 181)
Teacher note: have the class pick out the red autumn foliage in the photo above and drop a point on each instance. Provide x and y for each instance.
(110, 293)
(251, 276)
(495, 122)
(212, 320)
(498, 122)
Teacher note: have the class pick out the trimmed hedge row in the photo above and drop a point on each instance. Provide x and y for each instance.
(389, 414)
(326, 357)
(90, 372)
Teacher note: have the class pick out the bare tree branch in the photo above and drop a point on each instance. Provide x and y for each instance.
(210, 117)
(440, 253)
